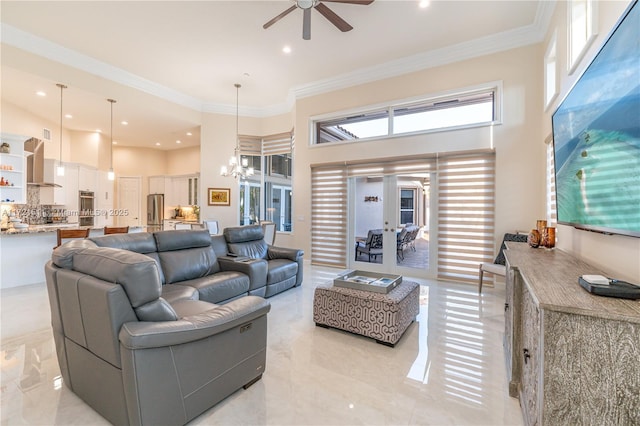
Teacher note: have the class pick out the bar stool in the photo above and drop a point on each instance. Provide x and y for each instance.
(70, 234)
(116, 230)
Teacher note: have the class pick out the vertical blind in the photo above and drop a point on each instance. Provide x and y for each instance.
(466, 186)
(466, 200)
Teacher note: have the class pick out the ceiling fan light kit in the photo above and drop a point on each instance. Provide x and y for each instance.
(307, 5)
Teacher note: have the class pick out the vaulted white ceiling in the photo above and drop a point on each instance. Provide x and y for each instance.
(166, 62)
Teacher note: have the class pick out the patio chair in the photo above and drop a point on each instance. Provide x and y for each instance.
(372, 246)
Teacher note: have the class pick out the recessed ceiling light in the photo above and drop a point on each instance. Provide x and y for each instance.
(157, 143)
(68, 116)
(41, 93)
(178, 141)
(286, 49)
(424, 3)
(115, 142)
(189, 134)
(124, 123)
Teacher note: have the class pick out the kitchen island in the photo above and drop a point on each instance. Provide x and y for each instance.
(24, 252)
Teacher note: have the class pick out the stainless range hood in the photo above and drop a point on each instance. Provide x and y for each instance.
(34, 151)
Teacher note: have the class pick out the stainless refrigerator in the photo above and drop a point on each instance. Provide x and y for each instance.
(155, 212)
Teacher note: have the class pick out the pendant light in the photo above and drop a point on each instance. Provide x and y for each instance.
(111, 175)
(238, 167)
(60, 170)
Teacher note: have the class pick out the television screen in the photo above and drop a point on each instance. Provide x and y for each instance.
(596, 133)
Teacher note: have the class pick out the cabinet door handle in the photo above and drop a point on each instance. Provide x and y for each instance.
(506, 307)
(526, 355)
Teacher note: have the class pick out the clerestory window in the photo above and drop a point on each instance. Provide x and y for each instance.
(427, 115)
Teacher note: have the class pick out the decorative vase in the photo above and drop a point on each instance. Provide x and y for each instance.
(5, 148)
(540, 225)
(534, 238)
(549, 237)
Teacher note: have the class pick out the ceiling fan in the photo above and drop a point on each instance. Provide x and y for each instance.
(307, 5)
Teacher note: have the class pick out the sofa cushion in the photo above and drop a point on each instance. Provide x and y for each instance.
(63, 255)
(178, 240)
(220, 287)
(188, 264)
(135, 272)
(174, 292)
(280, 269)
(243, 234)
(140, 242)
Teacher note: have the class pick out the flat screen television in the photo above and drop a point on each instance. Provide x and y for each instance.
(596, 135)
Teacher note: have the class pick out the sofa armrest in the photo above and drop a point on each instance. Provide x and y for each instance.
(144, 335)
(284, 253)
(256, 269)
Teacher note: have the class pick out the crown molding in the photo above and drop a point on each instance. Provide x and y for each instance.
(495, 43)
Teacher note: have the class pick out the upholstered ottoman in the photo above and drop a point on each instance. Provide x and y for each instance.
(383, 317)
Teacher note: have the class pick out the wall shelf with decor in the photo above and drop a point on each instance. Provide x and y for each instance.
(12, 170)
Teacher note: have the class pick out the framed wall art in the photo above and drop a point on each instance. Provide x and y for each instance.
(219, 196)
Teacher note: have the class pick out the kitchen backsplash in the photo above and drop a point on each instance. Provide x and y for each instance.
(35, 213)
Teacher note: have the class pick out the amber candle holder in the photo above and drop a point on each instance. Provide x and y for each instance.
(549, 237)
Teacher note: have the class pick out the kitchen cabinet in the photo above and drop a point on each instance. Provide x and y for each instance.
(104, 200)
(87, 178)
(185, 190)
(13, 170)
(160, 185)
(169, 224)
(71, 188)
(577, 351)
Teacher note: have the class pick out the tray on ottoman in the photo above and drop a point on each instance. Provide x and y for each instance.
(367, 281)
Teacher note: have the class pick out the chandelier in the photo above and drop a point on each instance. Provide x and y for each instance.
(238, 166)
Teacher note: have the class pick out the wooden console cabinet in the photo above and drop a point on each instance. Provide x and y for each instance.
(572, 357)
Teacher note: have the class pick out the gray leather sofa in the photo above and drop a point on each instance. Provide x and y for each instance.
(284, 265)
(192, 264)
(136, 357)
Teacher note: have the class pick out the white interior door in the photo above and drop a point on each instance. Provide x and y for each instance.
(129, 201)
(389, 205)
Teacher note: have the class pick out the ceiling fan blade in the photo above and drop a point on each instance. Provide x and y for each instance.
(277, 18)
(306, 25)
(362, 2)
(340, 23)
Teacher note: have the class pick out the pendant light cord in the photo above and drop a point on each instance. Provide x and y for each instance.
(62, 87)
(238, 86)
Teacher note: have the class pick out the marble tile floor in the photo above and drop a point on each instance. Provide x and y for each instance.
(448, 368)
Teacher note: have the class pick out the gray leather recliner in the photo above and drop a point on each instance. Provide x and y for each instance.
(133, 356)
(284, 265)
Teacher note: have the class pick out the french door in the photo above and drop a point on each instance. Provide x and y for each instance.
(397, 208)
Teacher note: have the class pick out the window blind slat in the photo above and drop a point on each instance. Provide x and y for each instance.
(329, 216)
(466, 200)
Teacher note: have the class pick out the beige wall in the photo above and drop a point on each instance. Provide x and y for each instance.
(22, 122)
(616, 255)
(519, 155)
(218, 139)
(185, 161)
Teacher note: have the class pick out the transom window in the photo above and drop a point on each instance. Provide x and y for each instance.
(436, 114)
